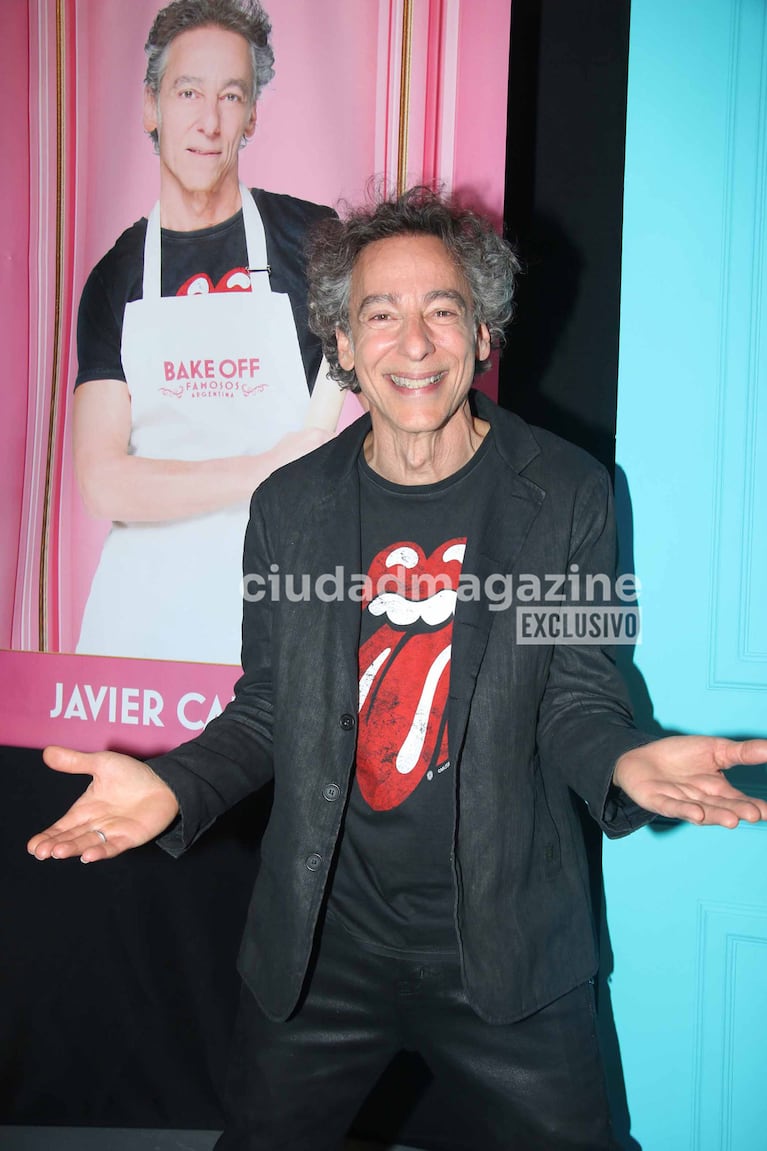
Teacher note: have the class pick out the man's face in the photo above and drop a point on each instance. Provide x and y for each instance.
(204, 108)
(413, 342)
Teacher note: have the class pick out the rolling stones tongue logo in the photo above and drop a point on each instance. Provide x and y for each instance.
(405, 669)
(236, 280)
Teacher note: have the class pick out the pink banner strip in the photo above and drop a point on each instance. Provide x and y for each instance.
(94, 703)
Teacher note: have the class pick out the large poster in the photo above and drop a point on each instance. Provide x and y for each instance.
(398, 91)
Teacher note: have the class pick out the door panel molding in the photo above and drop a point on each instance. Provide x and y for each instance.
(738, 635)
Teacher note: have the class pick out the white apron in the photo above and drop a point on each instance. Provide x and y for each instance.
(210, 376)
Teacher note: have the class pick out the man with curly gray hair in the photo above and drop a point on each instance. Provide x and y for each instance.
(489, 265)
(423, 880)
(195, 360)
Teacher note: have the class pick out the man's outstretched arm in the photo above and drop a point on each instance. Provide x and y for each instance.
(124, 805)
(682, 777)
(130, 803)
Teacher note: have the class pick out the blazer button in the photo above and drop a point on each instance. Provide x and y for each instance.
(313, 861)
(331, 792)
(347, 721)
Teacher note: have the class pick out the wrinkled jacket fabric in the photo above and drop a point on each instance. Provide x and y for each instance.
(534, 730)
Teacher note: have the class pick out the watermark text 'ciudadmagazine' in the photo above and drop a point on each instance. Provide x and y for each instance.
(567, 608)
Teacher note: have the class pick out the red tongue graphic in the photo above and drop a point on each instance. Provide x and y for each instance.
(235, 280)
(405, 673)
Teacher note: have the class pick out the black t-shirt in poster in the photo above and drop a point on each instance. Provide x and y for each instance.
(393, 886)
(208, 259)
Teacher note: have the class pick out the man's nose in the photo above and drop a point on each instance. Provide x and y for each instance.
(210, 118)
(415, 338)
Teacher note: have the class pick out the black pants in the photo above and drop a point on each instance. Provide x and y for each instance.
(536, 1085)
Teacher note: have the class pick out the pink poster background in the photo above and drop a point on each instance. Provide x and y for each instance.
(407, 90)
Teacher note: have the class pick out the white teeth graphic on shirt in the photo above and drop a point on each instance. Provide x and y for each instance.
(199, 286)
(238, 281)
(401, 611)
(405, 670)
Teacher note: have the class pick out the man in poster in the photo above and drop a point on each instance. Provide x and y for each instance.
(423, 880)
(195, 360)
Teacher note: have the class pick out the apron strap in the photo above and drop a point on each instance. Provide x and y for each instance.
(255, 240)
(255, 236)
(152, 288)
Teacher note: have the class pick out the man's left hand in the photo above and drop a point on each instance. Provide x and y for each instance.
(681, 777)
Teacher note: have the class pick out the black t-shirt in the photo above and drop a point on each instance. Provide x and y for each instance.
(213, 259)
(393, 886)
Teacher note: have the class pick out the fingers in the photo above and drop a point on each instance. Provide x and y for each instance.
(733, 752)
(719, 791)
(60, 843)
(749, 751)
(760, 805)
(89, 851)
(698, 813)
(748, 808)
(704, 810)
(68, 760)
(88, 842)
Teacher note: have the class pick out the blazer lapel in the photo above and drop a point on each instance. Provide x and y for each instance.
(493, 549)
(333, 535)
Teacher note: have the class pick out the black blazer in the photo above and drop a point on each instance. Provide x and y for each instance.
(534, 731)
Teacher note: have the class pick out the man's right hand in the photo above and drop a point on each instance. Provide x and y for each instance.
(124, 805)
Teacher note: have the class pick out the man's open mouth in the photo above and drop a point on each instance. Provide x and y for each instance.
(414, 383)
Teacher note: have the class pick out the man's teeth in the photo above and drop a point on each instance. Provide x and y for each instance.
(407, 382)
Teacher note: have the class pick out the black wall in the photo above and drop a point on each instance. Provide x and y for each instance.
(564, 203)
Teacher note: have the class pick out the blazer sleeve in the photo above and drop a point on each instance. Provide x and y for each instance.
(585, 721)
(232, 757)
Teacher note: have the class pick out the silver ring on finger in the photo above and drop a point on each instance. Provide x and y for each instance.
(100, 834)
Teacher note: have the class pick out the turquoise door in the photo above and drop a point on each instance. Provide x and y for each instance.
(687, 907)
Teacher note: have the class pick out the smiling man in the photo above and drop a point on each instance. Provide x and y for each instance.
(423, 879)
(195, 360)
(415, 347)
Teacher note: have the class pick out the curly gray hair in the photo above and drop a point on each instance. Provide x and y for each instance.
(489, 264)
(246, 17)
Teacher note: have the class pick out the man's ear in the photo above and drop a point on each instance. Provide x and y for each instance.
(345, 350)
(250, 127)
(150, 110)
(483, 342)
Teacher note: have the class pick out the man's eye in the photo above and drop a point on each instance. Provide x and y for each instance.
(233, 97)
(187, 93)
(443, 313)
